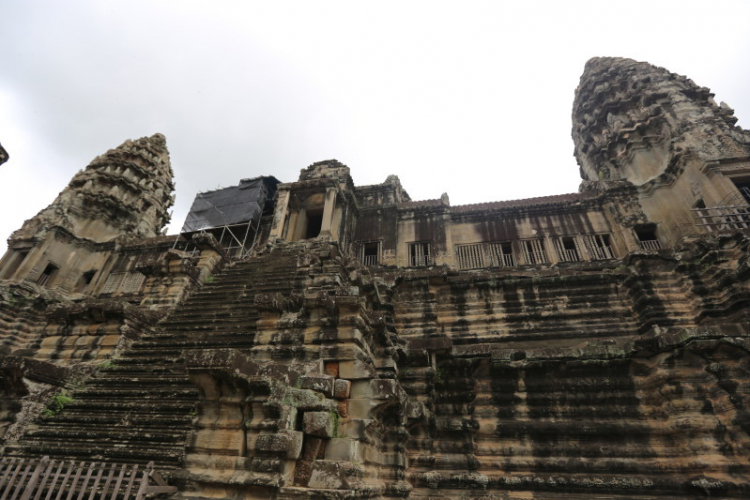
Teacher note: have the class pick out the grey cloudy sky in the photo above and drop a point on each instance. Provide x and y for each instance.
(470, 98)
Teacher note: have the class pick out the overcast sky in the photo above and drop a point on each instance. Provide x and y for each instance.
(470, 98)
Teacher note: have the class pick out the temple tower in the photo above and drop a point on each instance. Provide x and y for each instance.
(638, 125)
(3, 155)
(124, 193)
(320, 204)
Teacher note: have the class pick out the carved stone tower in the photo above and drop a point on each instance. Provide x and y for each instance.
(318, 205)
(639, 125)
(124, 193)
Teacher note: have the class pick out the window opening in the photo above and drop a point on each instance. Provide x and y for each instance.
(47, 274)
(567, 249)
(470, 256)
(369, 253)
(743, 186)
(85, 281)
(599, 246)
(314, 224)
(420, 254)
(113, 282)
(502, 254)
(533, 251)
(647, 237)
(728, 215)
(132, 282)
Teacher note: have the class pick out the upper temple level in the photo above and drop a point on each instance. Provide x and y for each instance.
(661, 164)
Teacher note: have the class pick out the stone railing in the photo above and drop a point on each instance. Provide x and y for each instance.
(726, 218)
(24, 479)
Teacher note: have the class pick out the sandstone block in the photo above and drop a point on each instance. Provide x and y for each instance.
(332, 368)
(342, 389)
(305, 399)
(319, 383)
(360, 408)
(344, 449)
(355, 370)
(319, 423)
(375, 389)
(287, 442)
(332, 475)
(354, 428)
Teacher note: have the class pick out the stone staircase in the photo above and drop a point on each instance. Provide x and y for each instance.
(140, 406)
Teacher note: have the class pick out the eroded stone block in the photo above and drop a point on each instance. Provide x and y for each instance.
(332, 475)
(341, 389)
(319, 383)
(287, 442)
(355, 369)
(319, 423)
(343, 449)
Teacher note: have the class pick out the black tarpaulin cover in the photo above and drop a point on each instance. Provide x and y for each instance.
(229, 206)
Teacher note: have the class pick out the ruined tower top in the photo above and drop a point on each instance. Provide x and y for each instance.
(632, 120)
(326, 169)
(3, 155)
(124, 192)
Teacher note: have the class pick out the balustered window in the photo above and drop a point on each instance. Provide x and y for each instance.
(420, 254)
(124, 282)
(533, 251)
(567, 249)
(470, 256)
(647, 237)
(599, 246)
(501, 254)
(369, 253)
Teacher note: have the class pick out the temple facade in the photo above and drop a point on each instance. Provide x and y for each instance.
(318, 339)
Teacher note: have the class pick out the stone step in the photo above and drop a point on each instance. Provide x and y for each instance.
(168, 455)
(93, 433)
(72, 416)
(183, 406)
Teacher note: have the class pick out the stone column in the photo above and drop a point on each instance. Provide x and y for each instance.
(328, 211)
(280, 213)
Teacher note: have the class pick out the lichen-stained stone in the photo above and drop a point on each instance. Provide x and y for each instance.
(308, 400)
(321, 384)
(334, 475)
(288, 443)
(319, 423)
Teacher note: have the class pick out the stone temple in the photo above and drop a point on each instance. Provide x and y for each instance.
(319, 339)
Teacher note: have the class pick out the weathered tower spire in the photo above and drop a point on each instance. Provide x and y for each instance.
(635, 121)
(124, 193)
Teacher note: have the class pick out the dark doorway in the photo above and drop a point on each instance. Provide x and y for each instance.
(743, 186)
(314, 223)
(48, 273)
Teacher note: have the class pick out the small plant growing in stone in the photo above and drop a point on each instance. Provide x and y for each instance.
(57, 402)
(335, 419)
(208, 279)
(106, 364)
